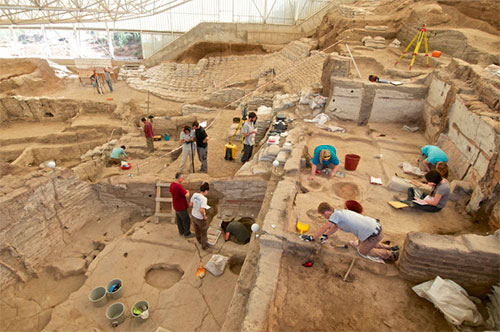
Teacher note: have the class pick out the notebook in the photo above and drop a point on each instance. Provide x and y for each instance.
(397, 204)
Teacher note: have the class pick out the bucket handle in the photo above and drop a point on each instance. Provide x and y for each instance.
(114, 324)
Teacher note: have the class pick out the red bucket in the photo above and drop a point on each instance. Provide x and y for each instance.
(354, 206)
(351, 161)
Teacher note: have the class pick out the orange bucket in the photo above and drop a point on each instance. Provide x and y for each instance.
(436, 54)
(354, 206)
(351, 161)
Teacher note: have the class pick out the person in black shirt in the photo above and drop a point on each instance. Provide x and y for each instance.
(201, 145)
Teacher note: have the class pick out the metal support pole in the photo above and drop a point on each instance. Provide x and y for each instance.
(353, 61)
(265, 12)
(110, 41)
(147, 111)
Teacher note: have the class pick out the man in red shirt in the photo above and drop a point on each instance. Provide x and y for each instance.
(148, 132)
(180, 202)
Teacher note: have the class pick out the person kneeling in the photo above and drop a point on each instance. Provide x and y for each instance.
(368, 231)
(237, 231)
(118, 155)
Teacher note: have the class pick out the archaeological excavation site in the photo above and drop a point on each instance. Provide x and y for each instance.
(262, 165)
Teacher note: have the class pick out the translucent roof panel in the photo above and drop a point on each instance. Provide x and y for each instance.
(72, 11)
(154, 15)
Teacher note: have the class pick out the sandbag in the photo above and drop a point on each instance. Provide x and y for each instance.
(216, 264)
(451, 299)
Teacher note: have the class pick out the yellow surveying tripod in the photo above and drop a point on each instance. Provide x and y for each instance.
(421, 35)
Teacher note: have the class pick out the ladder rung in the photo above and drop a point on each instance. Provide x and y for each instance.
(163, 184)
(168, 215)
(163, 199)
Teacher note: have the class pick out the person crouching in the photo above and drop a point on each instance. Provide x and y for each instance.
(368, 231)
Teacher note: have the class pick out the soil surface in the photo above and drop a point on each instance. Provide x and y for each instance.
(155, 263)
(316, 299)
(205, 50)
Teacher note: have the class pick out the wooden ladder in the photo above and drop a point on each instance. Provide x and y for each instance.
(159, 200)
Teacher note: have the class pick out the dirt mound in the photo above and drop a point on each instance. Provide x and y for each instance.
(7, 168)
(205, 49)
(484, 10)
(27, 77)
(449, 23)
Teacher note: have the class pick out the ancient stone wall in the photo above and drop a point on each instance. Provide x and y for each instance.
(237, 33)
(39, 218)
(241, 195)
(462, 118)
(365, 102)
(37, 109)
(472, 261)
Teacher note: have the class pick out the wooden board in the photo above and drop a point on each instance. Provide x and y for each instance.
(213, 235)
(397, 205)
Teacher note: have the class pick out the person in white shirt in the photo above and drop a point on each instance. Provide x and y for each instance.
(187, 139)
(248, 132)
(199, 213)
(368, 231)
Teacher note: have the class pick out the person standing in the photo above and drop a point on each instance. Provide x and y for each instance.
(96, 83)
(149, 134)
(325, 156)
(118, 154)
(249, 132)
(179, 200)
(368, 231)
(187, 140)
(107, 77)
(199, 213)
(201, 145)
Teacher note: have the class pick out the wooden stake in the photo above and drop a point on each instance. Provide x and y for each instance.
(349, 269)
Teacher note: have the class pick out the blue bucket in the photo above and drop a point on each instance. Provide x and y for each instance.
(166, 137)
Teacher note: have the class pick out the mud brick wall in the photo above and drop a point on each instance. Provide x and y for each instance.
(472, 261)
(37, 109)
(41, 216)
(244, 194)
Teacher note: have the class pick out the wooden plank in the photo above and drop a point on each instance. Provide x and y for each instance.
(163, 199)
(158, 204)
(163, 184)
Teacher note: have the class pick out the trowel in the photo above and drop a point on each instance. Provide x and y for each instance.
(200, 272)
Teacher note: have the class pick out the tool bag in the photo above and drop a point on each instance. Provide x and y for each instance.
(230, 151)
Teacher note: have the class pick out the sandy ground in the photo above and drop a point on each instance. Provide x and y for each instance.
(395, 146)
(316, 299)
(375, 298)
(155, 263)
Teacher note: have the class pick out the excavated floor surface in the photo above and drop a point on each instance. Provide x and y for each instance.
(156, 264)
